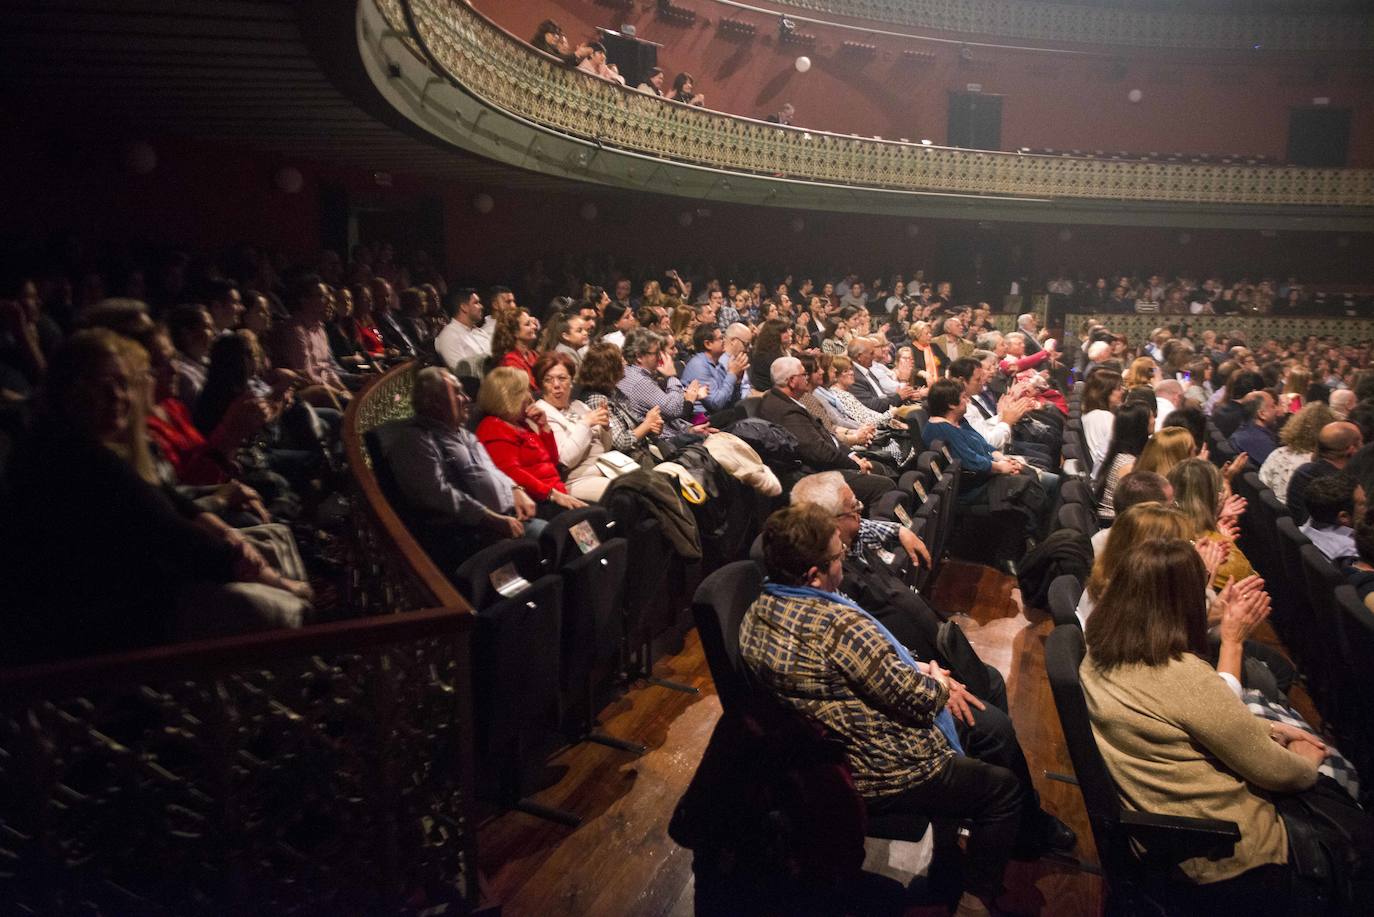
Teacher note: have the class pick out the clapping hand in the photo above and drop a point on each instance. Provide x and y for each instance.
(1241, 607)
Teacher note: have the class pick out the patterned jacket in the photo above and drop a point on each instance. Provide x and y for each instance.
(836, 667)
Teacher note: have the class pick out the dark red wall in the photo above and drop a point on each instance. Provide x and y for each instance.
(1192, 101)
(204, 196)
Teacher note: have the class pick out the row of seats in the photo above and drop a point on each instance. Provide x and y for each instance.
(1136, 882)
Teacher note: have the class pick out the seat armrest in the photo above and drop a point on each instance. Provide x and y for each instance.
(1174, 838)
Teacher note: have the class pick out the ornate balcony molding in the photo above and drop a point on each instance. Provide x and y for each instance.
(1026, 20)
(450, 74)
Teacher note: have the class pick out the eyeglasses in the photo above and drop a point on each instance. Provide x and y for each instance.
(856, 510)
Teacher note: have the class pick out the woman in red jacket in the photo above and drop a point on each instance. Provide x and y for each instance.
(518, 439)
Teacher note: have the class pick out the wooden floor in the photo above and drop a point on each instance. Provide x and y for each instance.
(621, 861)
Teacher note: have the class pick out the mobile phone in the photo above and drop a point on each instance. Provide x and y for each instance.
(1185, 377)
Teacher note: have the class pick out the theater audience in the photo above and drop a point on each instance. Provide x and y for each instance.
(646, 359)
(97, 555)
(599, 376)
(1255, 436)
(818, 449)
(684, 91)
(1201, 495)
(1136, 487)
(1130, 434)
(725, 376)
(513, 343)
(1166, 449)
(192, 332)
(1337, 443)
(1133, 525)
(303, 347)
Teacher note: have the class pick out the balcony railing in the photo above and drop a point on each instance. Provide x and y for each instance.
(508, 75)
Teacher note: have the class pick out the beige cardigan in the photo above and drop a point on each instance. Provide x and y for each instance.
(1179, 742)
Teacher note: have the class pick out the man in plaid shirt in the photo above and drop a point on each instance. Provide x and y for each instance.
(829, 659)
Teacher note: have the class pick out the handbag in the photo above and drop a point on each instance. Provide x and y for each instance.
(613, 464)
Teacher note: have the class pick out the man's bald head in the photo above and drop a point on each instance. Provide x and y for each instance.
(1338, 441)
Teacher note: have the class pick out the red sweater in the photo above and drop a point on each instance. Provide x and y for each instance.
(516, 359)
(183, 446)
(530, 459)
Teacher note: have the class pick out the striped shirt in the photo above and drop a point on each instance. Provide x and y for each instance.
(836, 667)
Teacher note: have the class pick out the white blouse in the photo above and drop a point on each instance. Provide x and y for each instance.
(1278, 469)
(579, 445)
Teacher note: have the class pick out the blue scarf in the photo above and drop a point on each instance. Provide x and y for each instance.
(944, 720)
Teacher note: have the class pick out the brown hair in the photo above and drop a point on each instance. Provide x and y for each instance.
(602, 367)
(1097, 391)
(507, 331)
(1154, 608)
(1137, 523)
(796, 539)
(1165, 449)
(548, 361)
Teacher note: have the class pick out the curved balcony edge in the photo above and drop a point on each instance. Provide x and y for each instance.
(458, 79)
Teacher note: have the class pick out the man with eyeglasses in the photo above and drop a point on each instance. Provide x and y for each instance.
(724, 376)
(817, 448)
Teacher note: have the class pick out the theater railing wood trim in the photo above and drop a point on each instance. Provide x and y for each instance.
(460, 47)
(392, 572)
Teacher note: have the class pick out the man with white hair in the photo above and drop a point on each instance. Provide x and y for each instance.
(1027, 324)
(952, 341)
(817, 448)
(1168, 398)
(868, 386)
(1098, 353)
(1340, 402)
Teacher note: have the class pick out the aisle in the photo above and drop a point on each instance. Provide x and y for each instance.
(621, 861)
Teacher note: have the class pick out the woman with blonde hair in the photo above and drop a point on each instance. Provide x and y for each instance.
(683, 321)
(1142, 371)
(1138, 523)
(518, 438)
(1165, 449)
(653, 294)
(1298, 440)
(1201, 495)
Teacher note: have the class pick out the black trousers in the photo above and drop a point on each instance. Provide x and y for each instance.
(867, 487)
(985, 794)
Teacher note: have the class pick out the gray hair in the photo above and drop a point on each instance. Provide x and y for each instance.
(784, 368)
(1168, 389)
(1021, 319)
(1098, 349)
(1014, 334)
(430, 384)
(638, 342)
(822, 489)
(988, 340)
(859, 346)
(947, 323)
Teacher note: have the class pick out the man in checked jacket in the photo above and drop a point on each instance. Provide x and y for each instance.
(826, 657)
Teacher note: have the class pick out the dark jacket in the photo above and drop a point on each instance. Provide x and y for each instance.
(657, 494)
(817, 448)
(870, 396)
